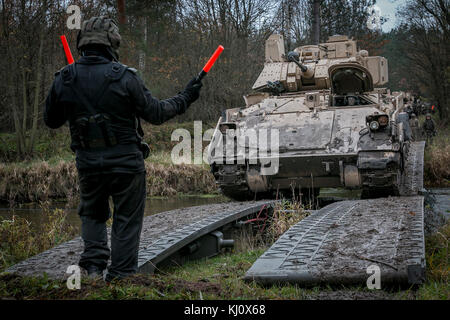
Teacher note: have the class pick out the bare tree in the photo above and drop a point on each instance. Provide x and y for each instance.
(427, 48)
(316, 21)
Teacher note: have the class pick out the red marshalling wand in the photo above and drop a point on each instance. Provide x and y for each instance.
(210, 63)
(67, 49)
(200, 76)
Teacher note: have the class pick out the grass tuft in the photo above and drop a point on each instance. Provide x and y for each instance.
(19, 240)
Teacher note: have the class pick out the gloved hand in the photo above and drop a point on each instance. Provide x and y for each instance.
(192, 89)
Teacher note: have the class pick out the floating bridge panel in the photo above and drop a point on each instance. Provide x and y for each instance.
(159, 237)
(160, 251)
(337, 243)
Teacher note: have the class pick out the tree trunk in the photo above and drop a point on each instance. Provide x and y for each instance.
(25, 101)
(316, 22)
(37, 91)
(20, 143)
(121, 11)
(122, 21)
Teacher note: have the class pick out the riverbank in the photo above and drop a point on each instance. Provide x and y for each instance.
(221, 278)
(57, 179)
(437, 161)
(50, 173)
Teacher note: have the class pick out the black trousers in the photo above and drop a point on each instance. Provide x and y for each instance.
(128, 194)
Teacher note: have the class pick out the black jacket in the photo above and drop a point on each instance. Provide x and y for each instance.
(124, 99)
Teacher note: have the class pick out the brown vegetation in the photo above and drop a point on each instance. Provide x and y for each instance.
(41, 181)
(437, 170)
(423, 62)
(19, 240)
(437, 161)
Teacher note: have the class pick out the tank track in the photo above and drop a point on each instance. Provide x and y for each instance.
(237, 193)
(339, 242)
(232, 183)
(412, 177)
(408, 182)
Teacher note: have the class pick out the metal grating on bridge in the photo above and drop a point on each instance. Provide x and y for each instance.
(337, 243)
(169, 246)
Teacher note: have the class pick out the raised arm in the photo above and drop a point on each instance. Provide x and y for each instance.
(158, 111)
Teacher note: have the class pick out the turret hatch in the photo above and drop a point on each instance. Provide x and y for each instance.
(350, 78)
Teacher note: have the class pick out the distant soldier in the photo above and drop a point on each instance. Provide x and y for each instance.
(428, 129)
(409, 110)
(416, 106)
(423, 108)
(414, 124)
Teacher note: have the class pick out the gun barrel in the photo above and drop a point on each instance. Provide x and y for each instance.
(294, 56)
(302, 67)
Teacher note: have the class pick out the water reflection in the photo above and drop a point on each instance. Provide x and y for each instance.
(32, 212)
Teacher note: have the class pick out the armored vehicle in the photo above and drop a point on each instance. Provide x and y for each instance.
(317, 118)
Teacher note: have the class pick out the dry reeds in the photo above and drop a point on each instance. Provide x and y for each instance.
(20, 240)
(437, 162)
(41, 181)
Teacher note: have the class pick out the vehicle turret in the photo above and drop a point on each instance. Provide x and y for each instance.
(308, 67)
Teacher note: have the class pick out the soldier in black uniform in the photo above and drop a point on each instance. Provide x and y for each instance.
(103, 100)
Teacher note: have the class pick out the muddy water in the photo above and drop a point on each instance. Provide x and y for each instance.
(442, 201)
(33, 213)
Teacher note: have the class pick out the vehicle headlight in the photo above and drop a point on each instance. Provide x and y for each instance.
(374, 125)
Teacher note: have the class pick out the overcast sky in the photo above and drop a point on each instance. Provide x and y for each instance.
(388, 9)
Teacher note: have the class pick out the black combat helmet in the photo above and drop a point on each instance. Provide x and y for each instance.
(100, 31)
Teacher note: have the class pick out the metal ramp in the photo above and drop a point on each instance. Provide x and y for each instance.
(201, 239)
(337, 243)
(172, 236)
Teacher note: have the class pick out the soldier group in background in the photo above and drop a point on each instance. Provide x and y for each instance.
(415, 107)
(421, 107)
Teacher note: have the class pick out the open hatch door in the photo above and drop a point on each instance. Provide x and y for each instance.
(350, 78)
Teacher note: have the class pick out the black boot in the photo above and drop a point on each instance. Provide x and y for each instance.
(94, 272)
